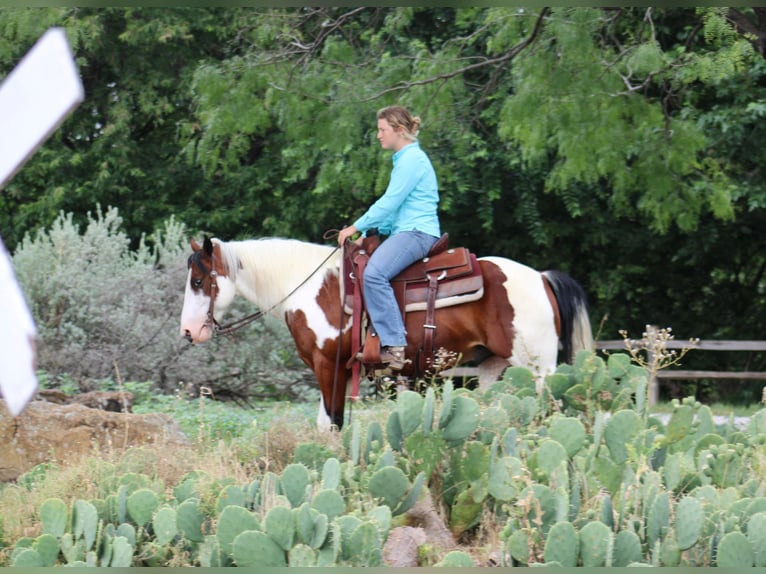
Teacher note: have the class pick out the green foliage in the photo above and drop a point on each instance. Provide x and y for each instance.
(637, 123)
(104, 310)
(566, 496)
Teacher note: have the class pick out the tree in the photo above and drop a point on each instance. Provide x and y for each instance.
(612, 143)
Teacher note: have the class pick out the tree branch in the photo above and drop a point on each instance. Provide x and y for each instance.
(507, 57)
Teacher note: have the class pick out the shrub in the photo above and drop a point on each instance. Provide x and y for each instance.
(104, 311)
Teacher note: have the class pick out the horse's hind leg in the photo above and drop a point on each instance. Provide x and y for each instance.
(490, 370)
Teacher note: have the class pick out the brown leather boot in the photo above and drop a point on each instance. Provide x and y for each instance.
(393, 357)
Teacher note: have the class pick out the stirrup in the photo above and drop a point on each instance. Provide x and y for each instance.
(394, 358)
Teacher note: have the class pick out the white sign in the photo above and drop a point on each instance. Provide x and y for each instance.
(34, 99)
(18, 378)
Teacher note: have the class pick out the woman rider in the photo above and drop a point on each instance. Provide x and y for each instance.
(407, 213)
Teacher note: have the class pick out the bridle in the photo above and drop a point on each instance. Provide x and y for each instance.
(228, 328)
(215, 327)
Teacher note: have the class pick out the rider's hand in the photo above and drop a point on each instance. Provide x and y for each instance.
(346, 233)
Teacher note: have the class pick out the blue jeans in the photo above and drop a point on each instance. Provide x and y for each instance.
(392, 256)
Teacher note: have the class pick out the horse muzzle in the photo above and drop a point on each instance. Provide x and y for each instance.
(203, 334)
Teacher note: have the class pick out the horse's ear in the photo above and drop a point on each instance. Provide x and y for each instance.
(207, 245)
(195, 246)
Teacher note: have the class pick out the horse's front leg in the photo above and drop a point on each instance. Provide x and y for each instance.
(332, 380)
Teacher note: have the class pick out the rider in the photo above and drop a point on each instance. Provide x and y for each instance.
(407, 213)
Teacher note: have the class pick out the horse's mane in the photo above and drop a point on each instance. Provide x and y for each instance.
(273, 266)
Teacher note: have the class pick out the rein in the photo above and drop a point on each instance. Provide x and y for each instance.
(229, 328)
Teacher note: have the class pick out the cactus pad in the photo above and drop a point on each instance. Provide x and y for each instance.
(569, 432)
(295, 479)
(689, 521)
(253, 548)
(621, 430)
(54, 516)
(164, 525)
(141, 505)
(562, 544)
(233, 521)
(734, 551)
(595, 544)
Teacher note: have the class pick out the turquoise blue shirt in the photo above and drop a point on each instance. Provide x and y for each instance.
(411, 199)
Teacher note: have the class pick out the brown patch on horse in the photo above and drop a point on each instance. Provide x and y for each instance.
(329, 369)
(465, 329)
(204, 258)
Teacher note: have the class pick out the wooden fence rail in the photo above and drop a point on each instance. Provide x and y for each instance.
(700, 345)
(653, 391)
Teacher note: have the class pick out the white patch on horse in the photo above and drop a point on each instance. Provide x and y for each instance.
(323, 421)
(316, 317)
(535, 345)
(194, 313)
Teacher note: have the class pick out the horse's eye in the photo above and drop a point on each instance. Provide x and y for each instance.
(196, 283)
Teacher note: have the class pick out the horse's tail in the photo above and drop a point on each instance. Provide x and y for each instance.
(576, 333)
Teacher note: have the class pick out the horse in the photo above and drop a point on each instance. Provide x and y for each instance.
(523, 318)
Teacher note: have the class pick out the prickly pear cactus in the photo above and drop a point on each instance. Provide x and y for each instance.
(659, 518)
(329, 502)
(391, 486)
(493, 423)
(621, 430)
(302, 556)
(233, 521)
(429, 407)
(85, 522)
(549, 457)
(295, 478)
(54, 517)
(596, 544)
(456, 559)
(562, 544)
(331, 474)
(279, 524)
(231, 494)
(253, 548)
(627, 548)
(425, 452)
(756, 535)
(141, 505)
(364, 546)
(409, 405)
(688, 522)
(164, 525)
(680, 424)
(569, 432)
(394, 432)
(464, 419)
(734, 551)
(189, 520)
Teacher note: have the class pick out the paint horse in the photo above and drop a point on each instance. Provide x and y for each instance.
(523, 317)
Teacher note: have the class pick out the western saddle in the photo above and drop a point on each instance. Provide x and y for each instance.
(445, 277)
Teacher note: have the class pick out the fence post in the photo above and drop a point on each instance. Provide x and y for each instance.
(652, 339)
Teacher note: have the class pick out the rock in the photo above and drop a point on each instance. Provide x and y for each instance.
(402, 544)
(114, 401)
(425, 526)
(46, 431)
